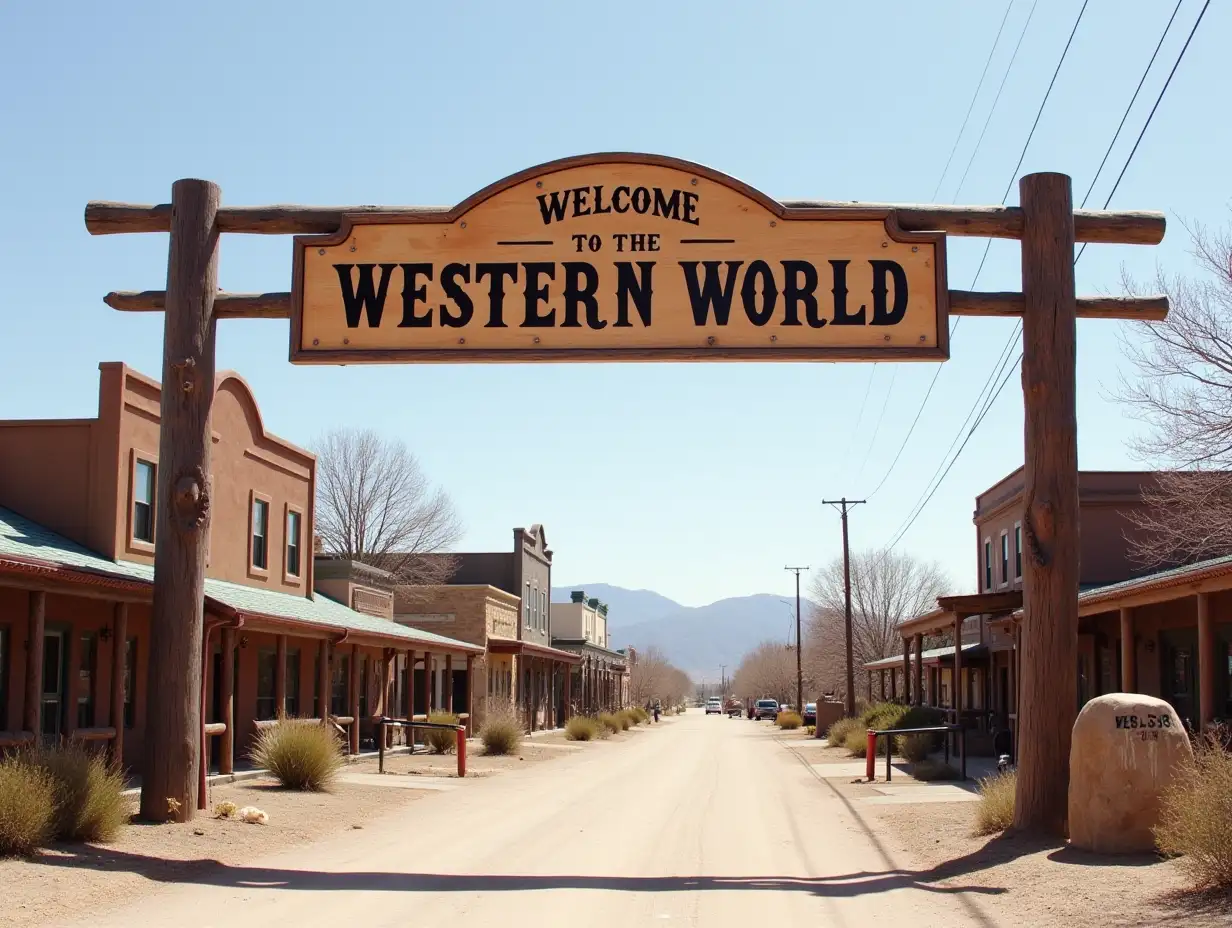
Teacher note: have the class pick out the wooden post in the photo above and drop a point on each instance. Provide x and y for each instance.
(427, 683)
(1129, 675)
(280, 678)
(387, 696)
(1206, 663)
(119, 646)
(448, 685)
(568, 691)
(470, 695)
(906, 671)
(72, 681)
(919, 670)
(182, 507)
(226, 750)
(881, 676)
(36, 630)
(1050, 505)
(353, 702)
(323, 680)
(956, 683)
(408, 679)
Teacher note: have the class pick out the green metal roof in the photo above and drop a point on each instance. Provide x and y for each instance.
(897, 660)
(22, 538)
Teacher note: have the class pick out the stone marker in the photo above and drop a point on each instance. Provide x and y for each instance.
(1125, 749)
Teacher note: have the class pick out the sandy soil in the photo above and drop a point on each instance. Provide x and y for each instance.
(72, 879)
(1042, 884)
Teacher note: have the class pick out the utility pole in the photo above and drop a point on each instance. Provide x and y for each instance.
(723, 680)
(799, 671)
(843, 505)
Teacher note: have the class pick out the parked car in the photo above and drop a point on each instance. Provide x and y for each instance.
(714, 706)
(810, 713)
(766, 709)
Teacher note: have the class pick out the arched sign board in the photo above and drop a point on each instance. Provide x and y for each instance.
(623, 258)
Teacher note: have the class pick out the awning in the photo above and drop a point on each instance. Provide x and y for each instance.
(530, 649)
(933, 655)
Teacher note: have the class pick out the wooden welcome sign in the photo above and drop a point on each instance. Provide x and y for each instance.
(619, 257)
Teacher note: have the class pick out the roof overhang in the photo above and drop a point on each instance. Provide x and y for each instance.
(498, 645)
(936, 621)
(982, 603)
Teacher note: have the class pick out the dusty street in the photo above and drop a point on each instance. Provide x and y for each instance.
(701, 821)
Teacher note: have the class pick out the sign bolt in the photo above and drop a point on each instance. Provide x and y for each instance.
(462, 341)
(536, 339)
(915, 248)
(347, 341)
(464, 224)
(315, 342)
(320, 251)
(693, 181)
(538, 183)
(709, 339)
(773, 223)
(885, 244)
(774, 338)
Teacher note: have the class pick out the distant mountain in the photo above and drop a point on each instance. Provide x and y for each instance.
(697, 639)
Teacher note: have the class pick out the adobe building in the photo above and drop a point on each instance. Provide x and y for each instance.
(77, 539)
(1165, 633)
(500, 601)
(602, 678)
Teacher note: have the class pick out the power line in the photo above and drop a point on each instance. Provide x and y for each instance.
(880, 417)
(859, 418)
(975, 96)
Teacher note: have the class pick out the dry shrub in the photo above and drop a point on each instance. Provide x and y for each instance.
(27, 806)
(928, 770)
(300, 754)
(438, 739)
(611, 722)
(837, 733)
(856, 742)
(89, 795)
(995, 811)
(1195, 821)
(225, 809)
(582, 728)
(501, 733)
(788, 721)
(629, 718)
(642, 714)
(914, 748)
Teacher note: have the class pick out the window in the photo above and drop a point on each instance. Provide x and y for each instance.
(267, 664)
(1018, 550)
(1005, 558)
(534, 607)
(543, 604)
(987, 564)
(338, 686)
(260, 533)
(292, 709)
(293, 522)
(143, 501)
(85, 678)
(526, 605)
(130, 683)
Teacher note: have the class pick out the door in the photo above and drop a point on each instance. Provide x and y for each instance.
(51, 712)
(1179, 673)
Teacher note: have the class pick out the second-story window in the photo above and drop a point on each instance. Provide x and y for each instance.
(1017, 552)
(987, 564)
(143, 501)
(526, 605)
(293, 519)
(543, 602)
(260, 533)
(1005, 558)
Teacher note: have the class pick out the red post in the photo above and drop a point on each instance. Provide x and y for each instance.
(460, 738)
(870, 756)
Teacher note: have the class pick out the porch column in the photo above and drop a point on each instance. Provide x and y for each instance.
(534, 695)
(568, 691)
(919, 671)
(353, 702)
(1206, 662)
(323, 678)
(1129, 676)
(68, 711)
(226, 748)
(470, 695)
(280, 678)
(387, 690)
(893, 684)
(883, 687)
(448, 684)
(119, 644)
(906, 671)
(36, 628)
(868, 677)
(957, 682)
(427, 683)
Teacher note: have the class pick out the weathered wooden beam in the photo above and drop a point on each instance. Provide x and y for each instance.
(1100, 226)
(962, 303)
(1009, 303)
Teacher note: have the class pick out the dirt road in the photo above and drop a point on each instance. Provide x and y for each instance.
(701, 821)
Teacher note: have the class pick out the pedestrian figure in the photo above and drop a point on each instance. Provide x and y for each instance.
(656, 712)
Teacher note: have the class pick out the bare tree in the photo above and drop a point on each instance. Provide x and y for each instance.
(376, 505)
(653, 676)
(887, 588)
(1184, 393)
(768, 671)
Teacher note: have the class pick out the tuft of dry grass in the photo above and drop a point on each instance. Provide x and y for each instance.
(611, 722)
(300, 754)
(582, 728)
(837, 733)
(27, 807)
(501, 733)
(995, 811)
(913, 748)
(438, 739)
(1195, 822)
(788, 721)
(89, 795)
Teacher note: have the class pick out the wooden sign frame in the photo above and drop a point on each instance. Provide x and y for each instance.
(713, 350)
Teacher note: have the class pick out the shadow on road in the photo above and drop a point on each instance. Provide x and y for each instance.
(214, 873)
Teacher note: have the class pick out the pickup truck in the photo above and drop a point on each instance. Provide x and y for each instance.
(733, 709)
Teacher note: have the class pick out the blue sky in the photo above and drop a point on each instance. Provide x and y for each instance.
(699, 481)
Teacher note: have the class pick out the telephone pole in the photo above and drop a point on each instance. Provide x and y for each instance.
(723, 681)
(799, 672)
(843, 505)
